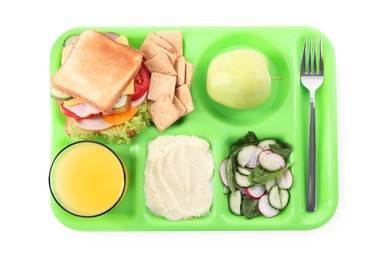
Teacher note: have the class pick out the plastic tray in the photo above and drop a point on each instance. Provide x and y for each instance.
(284, 115)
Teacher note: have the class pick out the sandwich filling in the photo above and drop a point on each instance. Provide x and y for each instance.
(95, 86)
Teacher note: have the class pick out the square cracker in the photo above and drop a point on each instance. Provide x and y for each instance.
(97, 70)
(174, 38)
(189, 73)
(154, 39)
(179, 106)
(161, 64)
(184, 95)
(160, 85)
(155, 49)
(163, 113)
(180, 67)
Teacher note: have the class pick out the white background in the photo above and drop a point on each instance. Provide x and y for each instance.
(360, 227)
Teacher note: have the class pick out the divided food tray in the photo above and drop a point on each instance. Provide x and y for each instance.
(284, 116)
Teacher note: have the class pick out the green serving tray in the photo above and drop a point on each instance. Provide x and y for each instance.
(284, 115)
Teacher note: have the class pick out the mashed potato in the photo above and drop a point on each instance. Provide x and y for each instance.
(178, 177)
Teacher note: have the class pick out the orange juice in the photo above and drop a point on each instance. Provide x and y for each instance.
(87, 179)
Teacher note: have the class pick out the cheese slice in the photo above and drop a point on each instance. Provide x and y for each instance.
(123, 40)
(130, 89)
(75, 101)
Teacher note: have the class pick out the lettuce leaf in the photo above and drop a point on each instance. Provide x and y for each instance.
(120, 134)
(77, 133)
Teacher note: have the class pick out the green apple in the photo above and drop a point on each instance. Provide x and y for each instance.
(239, 79)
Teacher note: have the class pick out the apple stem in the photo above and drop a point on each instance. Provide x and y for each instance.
(277, 78)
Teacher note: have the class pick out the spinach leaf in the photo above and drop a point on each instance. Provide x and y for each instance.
(249, 138)
(250, 207)
(261, 176)
(284, 149)
(231, 170)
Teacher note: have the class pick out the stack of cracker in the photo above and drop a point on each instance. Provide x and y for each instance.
(169, 94)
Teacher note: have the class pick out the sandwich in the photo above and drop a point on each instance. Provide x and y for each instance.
(101, 87)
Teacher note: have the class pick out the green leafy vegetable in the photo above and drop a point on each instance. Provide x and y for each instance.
(231, 166)
(261, 176)
(249, 138)
(250, 207)
(283, 149)
(257, 175)
(77, 133)
(120, 134)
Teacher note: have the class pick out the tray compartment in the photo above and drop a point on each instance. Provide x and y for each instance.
(278, 67)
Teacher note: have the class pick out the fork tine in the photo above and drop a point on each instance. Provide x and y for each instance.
(321, 71)
(314, 50)
(309, 65)
(303, 63)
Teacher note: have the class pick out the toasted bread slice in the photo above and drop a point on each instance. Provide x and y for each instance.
(98, 70)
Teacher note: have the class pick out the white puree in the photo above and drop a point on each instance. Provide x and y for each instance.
(178, 177)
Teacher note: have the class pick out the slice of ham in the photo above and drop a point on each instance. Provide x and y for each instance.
(138, 102)
(112, 35)
(83, 110)
(95, 123)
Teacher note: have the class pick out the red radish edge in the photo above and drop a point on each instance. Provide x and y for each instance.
(281, 158)
(262, 211)
(251, 191)
(258, 146)
(223, 173)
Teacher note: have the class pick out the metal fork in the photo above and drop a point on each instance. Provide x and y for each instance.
(312, 77)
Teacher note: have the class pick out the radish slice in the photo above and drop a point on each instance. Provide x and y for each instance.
(223, 173)
(271, 161)
(285, 180)
(92, 123)
(83, 110)
(245, 154)
(255, 191)
(253, 161)
(138, 102)
(266, 209)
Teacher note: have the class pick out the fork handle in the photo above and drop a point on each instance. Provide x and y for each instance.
(311, 194)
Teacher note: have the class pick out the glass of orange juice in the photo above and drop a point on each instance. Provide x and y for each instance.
(87, 179)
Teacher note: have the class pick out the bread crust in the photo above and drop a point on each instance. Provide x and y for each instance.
(98, 70)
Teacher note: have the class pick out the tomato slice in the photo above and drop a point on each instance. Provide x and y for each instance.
(141, 82)
(68, 113)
